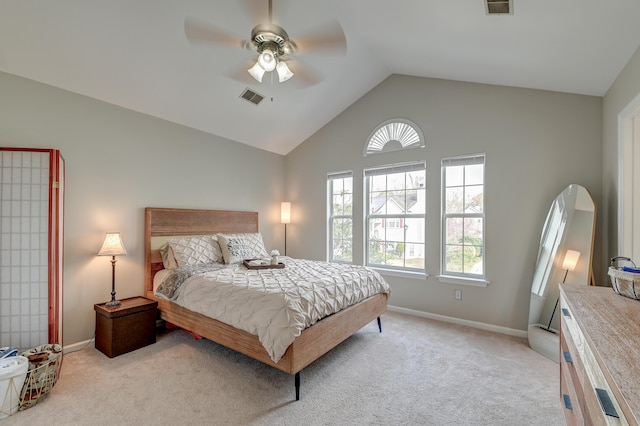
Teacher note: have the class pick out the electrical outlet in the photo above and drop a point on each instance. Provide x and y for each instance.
(459, 294)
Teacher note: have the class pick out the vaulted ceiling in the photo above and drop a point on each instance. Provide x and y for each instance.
(134, 53)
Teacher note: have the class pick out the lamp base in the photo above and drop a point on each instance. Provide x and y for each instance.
(112, 304)
(547, 328)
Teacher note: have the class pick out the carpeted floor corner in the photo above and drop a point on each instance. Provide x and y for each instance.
(416, 372)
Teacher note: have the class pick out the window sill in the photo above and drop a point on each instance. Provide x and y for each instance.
(474, 282)
(401, 274)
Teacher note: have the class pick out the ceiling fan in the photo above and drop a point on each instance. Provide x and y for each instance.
(276, 51)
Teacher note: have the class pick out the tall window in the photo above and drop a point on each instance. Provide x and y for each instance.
(396, 216)
(463, 216)
(340, 190)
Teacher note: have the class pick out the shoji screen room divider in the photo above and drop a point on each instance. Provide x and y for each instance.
(31, 246)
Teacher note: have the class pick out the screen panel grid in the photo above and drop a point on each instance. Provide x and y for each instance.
(24, 213)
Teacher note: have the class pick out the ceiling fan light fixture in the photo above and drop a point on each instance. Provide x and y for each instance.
(267, 60)
(257, 71)
(284, 73)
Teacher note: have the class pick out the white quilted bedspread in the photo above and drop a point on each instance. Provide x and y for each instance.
(277, 304)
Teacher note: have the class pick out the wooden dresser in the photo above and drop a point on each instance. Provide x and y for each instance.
(599, 356)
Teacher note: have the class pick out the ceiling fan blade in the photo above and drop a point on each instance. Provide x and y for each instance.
(199, 32)
(328, 39)
(241, 74)
(256, 10)
(304, 76)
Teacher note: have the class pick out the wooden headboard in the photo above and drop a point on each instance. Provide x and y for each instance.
(162, 223)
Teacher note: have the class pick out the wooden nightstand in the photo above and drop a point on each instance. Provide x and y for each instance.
(126, 328)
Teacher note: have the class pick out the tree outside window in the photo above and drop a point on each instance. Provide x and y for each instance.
(463, 216)
(340, 191)
(396, 216)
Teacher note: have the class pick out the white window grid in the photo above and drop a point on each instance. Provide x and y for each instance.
(414, 246)
(478, 272)
(343, 221)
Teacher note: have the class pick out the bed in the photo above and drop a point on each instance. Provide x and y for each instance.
(161, 224)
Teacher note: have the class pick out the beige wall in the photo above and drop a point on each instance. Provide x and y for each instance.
(536, 143)
(117, 163)
(620, 94)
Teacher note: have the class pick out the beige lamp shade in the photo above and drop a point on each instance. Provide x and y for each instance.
(285, 212)
(570, 260)
(113, 245)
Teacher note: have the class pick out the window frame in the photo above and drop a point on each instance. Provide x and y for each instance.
(464, 160)
(405, 132)
(388, 170)
(331, 178)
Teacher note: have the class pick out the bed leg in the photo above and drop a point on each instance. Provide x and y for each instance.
(379, 325)
(297, 379)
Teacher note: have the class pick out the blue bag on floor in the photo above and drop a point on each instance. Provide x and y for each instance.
(8, 351)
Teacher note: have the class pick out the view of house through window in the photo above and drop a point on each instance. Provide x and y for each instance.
(340, 190)
(463, 216)
(395, 222)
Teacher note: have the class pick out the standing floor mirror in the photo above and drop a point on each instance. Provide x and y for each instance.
(565, 256)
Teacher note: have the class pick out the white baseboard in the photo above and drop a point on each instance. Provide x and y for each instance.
(474, 324)
(77, 346)
(481, 325)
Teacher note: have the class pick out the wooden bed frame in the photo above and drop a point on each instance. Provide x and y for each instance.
(315, 341)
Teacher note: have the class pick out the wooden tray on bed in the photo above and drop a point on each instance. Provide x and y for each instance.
(245, 262)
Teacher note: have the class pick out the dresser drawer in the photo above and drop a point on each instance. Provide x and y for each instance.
(571, 368)
(601, 405)
(571, 395)
(599, 352)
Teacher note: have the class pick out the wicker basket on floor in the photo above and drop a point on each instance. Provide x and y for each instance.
(44, 368)
(625, 283)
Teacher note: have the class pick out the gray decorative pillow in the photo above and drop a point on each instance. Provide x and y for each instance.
(168, 259)
(253, 240)
(235, 249)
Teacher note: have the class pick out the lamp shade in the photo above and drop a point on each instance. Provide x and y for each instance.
(113, 245)
(285, 212)
(256, 72)
(570, 260)
(284, 73)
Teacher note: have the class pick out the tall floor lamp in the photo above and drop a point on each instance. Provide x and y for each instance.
(285, 217)
(113, 246)
(569, 264)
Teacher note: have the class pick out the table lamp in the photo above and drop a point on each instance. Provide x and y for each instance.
(569, 264)
(285, 217)
(113, 247)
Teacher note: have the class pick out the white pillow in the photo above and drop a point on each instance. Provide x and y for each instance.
(199, 250)
(237, 247)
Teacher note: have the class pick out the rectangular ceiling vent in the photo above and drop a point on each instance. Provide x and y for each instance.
(499, 7)
(251, 96)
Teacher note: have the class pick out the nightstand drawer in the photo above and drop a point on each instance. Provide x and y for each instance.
(124, 329)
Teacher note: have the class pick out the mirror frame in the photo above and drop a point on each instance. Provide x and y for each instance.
(569, 225)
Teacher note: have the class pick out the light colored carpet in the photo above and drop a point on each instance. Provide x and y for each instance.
(416, 372)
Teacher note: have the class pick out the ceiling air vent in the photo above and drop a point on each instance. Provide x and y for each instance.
(499, 7)
(251, 96)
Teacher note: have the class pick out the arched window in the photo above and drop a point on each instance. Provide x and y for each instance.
(394, 135)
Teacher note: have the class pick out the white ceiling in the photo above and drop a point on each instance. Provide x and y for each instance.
(133, 53)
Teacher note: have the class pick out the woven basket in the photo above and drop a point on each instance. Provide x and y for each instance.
(625, 283)
(44, 368)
